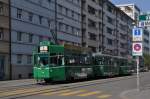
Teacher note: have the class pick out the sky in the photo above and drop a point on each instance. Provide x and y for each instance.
(144, 5)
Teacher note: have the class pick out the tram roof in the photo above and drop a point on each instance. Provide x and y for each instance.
(100, 54)
(76, 48)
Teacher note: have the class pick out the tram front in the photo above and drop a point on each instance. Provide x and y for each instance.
(48, 62)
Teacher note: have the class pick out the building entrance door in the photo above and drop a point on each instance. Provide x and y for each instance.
(2, 67)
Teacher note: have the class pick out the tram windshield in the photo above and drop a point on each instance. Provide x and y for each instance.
(43, 61)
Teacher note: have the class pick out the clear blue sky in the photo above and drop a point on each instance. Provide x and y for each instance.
(144, 5)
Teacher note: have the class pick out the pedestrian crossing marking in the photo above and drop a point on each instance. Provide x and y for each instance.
(89, 93)
(104, 96)
(57, 92)
(72, 93)
(16, 92)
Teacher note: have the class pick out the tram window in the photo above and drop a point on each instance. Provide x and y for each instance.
(43, 60)
(56, 59)
(69, 60)
(53, 60)
(60, 60)
(35, 60)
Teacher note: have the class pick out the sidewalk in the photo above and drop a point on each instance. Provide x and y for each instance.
(12, 83)
(134, 94)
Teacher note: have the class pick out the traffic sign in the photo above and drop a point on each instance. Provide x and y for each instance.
(144, 17)
(137, 49)
(137, 34)
(144, 23)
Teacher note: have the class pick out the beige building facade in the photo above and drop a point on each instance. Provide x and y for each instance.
(4, 40)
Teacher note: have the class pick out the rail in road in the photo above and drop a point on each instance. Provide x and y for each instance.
(31, 90)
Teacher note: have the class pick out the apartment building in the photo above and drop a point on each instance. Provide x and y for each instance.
(4, 40)
(134, 12)
(97, 24)
(35, 20)
(69, 21)
(131, 10)
(146, 41)
(106, 28)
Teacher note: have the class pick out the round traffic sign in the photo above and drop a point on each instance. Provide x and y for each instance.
(137, 47)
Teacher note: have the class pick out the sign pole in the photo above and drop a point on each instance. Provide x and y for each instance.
(137, 35)
(138, 77)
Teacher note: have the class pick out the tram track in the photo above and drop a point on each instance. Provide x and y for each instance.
(46, 89)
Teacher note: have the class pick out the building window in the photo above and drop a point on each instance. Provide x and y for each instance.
(49, 24)
(78, 1)
(122, 45)
(109, 20)
(49, 1)
(92, 48)
(1, 34)
(19, 36)
(109, 8)
(72, 14)
(1, 8)
(91, 23)
(19, 58)
(30, 38)
(19, 13)
(66, 11)
(40, 19)
(91, 10)
(40, 2)
(40, 38)
(110, 41)
(67, 28)
(60, 26)
(60, 8)
(109, 30)
(92, 36)
(72, 30)
(29, 59)
(30, 16)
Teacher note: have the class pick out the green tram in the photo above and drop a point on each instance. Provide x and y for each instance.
(107, 65)
(66, 62)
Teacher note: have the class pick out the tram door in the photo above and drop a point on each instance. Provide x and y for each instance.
(1, 67)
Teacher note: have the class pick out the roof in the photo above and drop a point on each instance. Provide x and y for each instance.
(131, 4)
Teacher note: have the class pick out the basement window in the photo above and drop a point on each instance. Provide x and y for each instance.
(1, 34)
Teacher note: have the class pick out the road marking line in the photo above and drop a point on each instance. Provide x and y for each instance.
(89, 93)
(104, 96)
(71, 93)
(37, 92)
(51, 93)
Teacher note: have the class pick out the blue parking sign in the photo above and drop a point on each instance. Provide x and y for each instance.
(137, 34)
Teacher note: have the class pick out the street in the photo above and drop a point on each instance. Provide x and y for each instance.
(112, 88)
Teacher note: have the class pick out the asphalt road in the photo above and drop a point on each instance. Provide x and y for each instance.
(98, 89)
